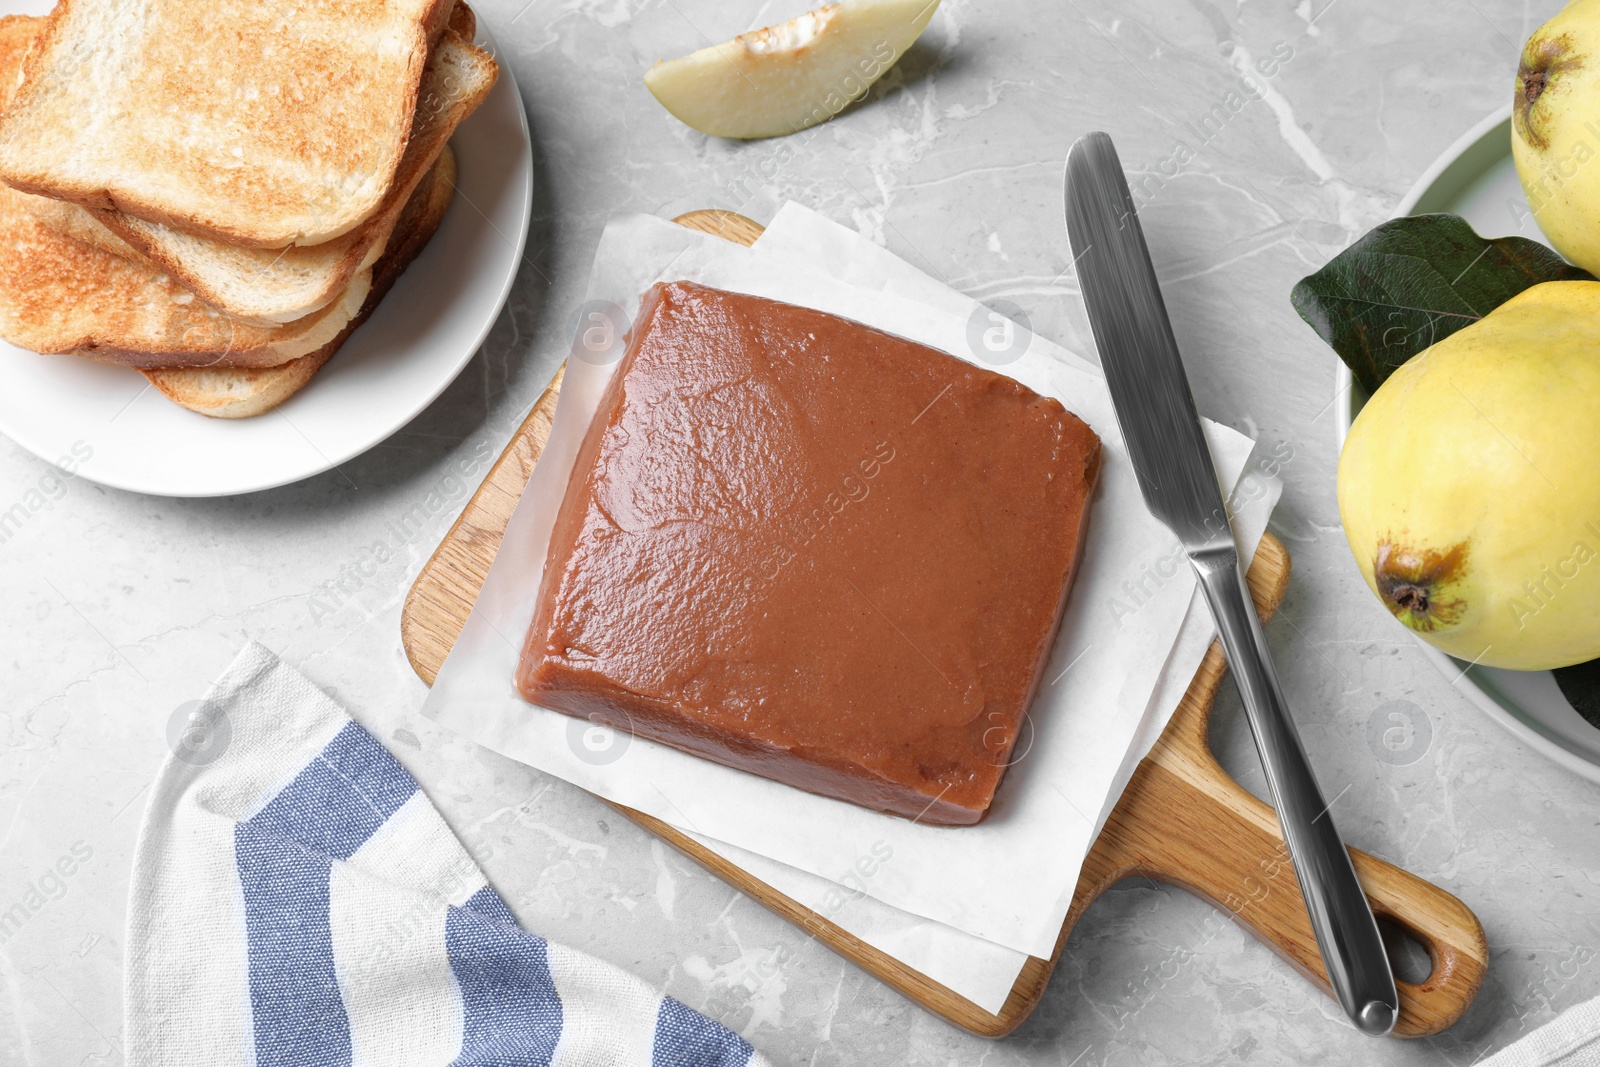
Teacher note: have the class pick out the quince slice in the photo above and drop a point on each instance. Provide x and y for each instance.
(784, 78)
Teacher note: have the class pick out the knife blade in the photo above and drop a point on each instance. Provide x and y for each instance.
(1155, 410)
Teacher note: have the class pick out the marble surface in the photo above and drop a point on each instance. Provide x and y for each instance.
(119, 608)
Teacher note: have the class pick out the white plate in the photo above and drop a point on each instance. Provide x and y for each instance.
(415, 344)
(1476, 179)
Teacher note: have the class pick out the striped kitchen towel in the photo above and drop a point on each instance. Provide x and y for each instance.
(298, 902)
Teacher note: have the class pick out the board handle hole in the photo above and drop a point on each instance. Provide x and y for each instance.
(1408, 956)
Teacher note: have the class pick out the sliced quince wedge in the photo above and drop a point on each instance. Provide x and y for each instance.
(784, 78)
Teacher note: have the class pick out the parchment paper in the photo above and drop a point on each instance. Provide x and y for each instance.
(1010, 879)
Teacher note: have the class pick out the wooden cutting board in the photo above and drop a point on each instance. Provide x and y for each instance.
(1181, 819)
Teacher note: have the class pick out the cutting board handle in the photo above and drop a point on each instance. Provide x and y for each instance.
(1192, 825)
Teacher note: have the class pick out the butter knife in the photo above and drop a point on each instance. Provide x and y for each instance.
(1157, 414)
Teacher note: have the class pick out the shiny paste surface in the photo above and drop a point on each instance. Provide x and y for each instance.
(813, 551)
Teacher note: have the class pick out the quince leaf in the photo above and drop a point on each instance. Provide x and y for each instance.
(1412, 282)
(1581, 686)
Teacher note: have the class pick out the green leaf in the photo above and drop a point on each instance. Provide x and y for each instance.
(1414, 281)
(1581, 686)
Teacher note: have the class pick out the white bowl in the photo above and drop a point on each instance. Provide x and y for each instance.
(1475, 178)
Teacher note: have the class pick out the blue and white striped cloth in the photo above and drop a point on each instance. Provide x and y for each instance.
(298, 902)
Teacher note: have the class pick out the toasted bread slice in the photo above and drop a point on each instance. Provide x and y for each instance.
(59, 295)
(17, 34)
(463, 21)
(239, 393)
(253, 123)
(275, 286)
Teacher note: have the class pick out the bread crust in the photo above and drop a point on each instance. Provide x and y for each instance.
(242, 393)
(177, 180)
(60, 295)
(274, 287)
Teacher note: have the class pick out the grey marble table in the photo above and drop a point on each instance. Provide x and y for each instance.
(118, 608)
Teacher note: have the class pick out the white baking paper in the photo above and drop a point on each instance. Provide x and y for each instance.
(1008, 880)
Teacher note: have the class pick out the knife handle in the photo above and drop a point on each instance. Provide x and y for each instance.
(1346, 932)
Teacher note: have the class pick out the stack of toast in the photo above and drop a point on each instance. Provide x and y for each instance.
(217, 193)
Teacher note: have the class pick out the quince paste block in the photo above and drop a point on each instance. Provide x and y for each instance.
(812, 551)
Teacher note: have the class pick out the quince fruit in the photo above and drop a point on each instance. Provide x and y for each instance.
(1555, 131)
(1469, 486)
